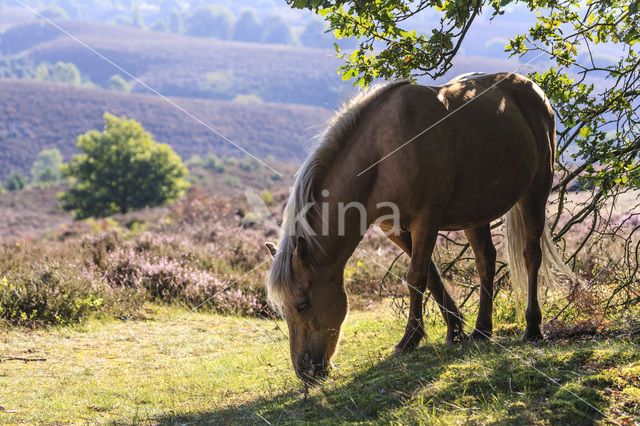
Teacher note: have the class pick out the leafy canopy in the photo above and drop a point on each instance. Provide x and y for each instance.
(120, 169)
(46, 167)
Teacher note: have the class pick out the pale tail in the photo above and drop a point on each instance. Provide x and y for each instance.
(552, 264)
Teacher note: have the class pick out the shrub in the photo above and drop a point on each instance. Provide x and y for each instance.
(16, 182)
(169, 281)
(266, 196)
(233, 181)
(52, 294)
(212, 162)
(121, 169)
(46, 167)
(119, 84)
(249, 164)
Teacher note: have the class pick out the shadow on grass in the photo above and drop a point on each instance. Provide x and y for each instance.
(484, 383)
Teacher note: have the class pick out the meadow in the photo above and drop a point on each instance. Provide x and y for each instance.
(160, 316)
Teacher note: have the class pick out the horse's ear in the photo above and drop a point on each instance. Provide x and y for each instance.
(272, 248)
(302, 249)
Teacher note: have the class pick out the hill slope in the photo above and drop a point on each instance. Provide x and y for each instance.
(34, 116)
(178, 65)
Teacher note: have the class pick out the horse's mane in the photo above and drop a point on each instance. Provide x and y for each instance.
(328, 145)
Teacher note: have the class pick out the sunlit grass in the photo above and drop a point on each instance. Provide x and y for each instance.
(176, 366)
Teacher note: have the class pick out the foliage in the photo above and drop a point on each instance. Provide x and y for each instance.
(46, 168)
(210, 21)
(276, 31)
(121, 168)
(54, 12)
(119, 84)
(49, 294)
(16, 67)
(213, 162)
(61, 72)
(16, 181)
(247, 27)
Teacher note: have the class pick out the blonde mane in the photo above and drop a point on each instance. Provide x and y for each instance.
(328, 146)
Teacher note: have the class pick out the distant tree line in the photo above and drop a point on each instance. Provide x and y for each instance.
(20, 67)
(237, 20)
(219, 22)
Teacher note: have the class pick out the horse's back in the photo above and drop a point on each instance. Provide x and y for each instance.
(487, 138)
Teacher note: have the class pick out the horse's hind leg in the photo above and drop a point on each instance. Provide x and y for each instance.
(533, 211)
(485, 253)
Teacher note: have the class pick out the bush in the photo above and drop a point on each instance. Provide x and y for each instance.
(16, 182)
(249, 164)
(212, 162)
(119, 84)
(61, 72)
(46, 167)
(48, 295)
(121, 169)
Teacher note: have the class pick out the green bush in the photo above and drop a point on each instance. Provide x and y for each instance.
(213, 162)
(249, 164)
(46, 167)
(50, 295)
(16, 182)
(118, 84)
(121, 169)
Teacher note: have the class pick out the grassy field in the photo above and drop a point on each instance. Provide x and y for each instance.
(175, 366)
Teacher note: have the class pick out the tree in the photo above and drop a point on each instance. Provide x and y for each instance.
(118, 83)
(46, 167)
(595, 101)
(61, 72)
(210, 21)
(120, 169)
(276, 31)
(176, 25)
(54, 12)
(16, 182)
(136, 19)
(247, 28)
(314, 35)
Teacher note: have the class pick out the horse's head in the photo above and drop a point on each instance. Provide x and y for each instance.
(314, 304)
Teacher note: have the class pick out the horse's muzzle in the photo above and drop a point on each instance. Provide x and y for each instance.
(311, 369)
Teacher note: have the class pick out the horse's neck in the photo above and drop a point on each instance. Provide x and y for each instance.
(339, 233)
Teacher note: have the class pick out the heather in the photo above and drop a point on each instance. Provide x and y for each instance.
(191, 255)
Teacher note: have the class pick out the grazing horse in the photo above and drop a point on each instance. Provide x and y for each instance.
(414, 160)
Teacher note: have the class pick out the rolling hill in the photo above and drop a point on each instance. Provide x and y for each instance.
(34, 116)
(177, 65)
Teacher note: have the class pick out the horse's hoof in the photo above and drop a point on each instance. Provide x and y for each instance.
(478, 335)
(457, 338)
(532, 335)
(406, 346)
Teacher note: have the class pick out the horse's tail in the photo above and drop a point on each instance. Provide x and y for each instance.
(552, 263)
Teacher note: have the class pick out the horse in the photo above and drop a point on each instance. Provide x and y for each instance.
(415, 160)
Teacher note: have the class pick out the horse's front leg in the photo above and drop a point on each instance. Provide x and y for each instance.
(424, 274)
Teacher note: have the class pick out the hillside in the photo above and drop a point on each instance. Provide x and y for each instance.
(178, 65)
(36, 115)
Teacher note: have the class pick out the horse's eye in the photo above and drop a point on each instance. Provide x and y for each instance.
(301, 307)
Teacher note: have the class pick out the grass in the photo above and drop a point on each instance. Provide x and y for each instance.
(175, 367)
